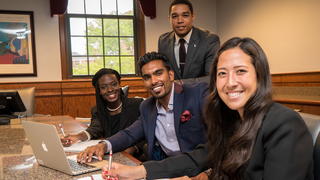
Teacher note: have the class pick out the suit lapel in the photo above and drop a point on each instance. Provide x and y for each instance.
(151, 119)
(172, 57)
(192, 48)
(177, 106)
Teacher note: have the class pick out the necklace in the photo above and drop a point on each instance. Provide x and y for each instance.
(115, 109)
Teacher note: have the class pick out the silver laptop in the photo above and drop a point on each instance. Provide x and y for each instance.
(48, 150)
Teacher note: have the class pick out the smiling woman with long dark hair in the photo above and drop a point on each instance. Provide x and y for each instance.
(240, 97)
(252, 137)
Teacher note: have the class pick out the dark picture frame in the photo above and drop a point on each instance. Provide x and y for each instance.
(17, 44)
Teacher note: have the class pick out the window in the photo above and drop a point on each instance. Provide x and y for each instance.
(101, 33)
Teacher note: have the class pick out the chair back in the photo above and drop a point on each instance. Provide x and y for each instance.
(313, 124)
(28, 97)
(125, 90)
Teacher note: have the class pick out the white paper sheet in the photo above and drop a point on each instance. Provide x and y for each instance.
(80, 146)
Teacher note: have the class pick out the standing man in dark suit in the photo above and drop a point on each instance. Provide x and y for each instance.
(170, 121)
(189, 49)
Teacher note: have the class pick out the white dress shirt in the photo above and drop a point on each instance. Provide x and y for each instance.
(165, 131)
(177, 46)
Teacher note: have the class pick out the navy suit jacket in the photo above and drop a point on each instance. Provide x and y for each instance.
(202, 48)
(189, 133)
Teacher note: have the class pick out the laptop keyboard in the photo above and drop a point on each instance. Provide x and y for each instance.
(76, 167)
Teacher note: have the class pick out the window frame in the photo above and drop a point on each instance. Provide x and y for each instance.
(66, 62)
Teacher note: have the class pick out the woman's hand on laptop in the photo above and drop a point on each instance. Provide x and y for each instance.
(96, 150)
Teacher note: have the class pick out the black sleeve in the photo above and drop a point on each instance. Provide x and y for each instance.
(189, 164)
(288, 148)
(95, 130)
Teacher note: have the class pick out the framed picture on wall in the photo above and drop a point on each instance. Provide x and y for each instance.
(17, 45)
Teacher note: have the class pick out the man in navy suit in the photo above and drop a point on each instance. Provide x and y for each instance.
(170, 120)
(190, 50)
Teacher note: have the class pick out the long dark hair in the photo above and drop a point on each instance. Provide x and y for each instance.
(230, 139)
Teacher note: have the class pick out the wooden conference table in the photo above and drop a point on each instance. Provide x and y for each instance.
(18, 162)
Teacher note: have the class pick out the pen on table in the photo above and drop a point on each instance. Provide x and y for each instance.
(62, 130)
(109, 162)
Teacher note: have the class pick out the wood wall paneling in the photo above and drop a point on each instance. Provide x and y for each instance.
(310, 103)
(76, 97)
(71, 97)
(51, 105)
(78, 105)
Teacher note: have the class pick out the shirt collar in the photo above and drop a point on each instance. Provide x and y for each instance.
(170, 104)
(186, 37)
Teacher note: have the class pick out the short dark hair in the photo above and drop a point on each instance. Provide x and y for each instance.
(186, 2)
(102, 72)
(151, 56)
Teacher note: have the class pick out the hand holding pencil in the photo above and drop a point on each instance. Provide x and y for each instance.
(67, 140)
(109, 162)
(123, 172)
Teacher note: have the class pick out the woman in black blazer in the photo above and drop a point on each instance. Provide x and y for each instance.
(249, 135)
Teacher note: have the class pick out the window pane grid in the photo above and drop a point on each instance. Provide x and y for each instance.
(105, 46)
(119, 42)
(101, 16)
(102, 36)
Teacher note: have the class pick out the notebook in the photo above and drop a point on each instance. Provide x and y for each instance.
(48, 150)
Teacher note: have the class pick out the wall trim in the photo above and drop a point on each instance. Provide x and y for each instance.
(304, 100)
(311, 78)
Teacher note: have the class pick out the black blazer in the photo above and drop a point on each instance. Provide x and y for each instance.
(283, 151)
(129, 114)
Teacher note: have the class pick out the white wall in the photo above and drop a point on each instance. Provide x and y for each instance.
(205, 17)
(46, 39)
(288, 30)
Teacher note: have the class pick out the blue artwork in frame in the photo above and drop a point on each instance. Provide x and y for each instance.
(17, 46)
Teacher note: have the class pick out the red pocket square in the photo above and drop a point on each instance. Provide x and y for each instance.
(185, 116)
